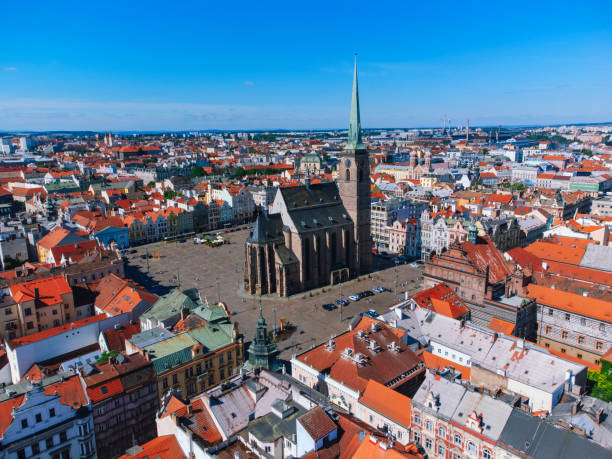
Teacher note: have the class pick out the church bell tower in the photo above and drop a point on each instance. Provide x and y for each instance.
(354, 185)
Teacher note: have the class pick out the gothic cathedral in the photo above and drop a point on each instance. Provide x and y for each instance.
(319, 234)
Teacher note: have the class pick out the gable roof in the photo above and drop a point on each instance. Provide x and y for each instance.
(387, 402)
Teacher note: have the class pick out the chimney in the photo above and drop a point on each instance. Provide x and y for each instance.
(599, 416)
(36, 293)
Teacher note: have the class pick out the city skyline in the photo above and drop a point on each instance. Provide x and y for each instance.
(196, 68)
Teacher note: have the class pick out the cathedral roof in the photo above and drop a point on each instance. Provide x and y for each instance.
(267, 228)
(297, 197)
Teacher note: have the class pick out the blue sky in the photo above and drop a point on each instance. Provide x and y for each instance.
(160, 65)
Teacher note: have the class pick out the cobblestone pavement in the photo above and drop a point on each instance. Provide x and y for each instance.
(217, 272)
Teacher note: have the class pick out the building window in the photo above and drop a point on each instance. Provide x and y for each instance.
(416, 437)
(441, 450)
(583, 321)
(175, 378)
(21, 454)
(567, 316)
(550, 311)
(564, 335)
(30, 325)
(581, 340)
(51, 412)
(548, 330)
(63, 437)
(27, 312)
(441, 432)
(599, 345)
(38, 417)
(457, 439)
(471, 447)
(563, 350)
(24, 423)
(602, 327)
(49, 442)
(417, 419)
(427, 443)
(486, 454)
(429, 426)
(165, 383)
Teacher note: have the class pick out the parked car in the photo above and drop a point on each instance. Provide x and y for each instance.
(371, 313)
(343, 302)
(354, 297)
(396, 260)
(329, 307)
(413, 265)
(366, 293)
(378, 289)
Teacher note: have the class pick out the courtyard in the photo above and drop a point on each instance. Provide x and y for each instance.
(217, 272)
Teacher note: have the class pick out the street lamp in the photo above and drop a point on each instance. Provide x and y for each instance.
(274, 328)
(341, 302)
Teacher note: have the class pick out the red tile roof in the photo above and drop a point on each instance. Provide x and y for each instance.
(485, 255)
(577, 304)
(164, 447)
(6, 412)
(387, 402)
(317, 423)
(383, 366)
(50, 291)
(501, 326)
(70, 391)
(442, 300)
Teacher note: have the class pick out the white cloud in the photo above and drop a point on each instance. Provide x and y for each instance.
(10, 69)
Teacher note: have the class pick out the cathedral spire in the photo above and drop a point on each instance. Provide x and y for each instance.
(354, 134)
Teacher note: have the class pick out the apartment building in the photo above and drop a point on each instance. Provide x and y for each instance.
(124, 397)
(195, 360)
(576, 325)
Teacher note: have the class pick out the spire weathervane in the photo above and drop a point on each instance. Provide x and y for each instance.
(354, 134)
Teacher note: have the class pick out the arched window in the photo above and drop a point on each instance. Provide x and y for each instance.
(429, 425)
(457, 439)
(486, 454)
(441, 432)
(347, 175)
(471, 447)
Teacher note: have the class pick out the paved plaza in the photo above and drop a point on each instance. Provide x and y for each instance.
(217, 272)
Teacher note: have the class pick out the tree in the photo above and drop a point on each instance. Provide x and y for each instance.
(197, 171)
(169, 194)
(238, 172)
(518, 186)
(11, 263)
(151, 183)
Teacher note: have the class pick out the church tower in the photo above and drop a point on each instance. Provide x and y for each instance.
(354, 186)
